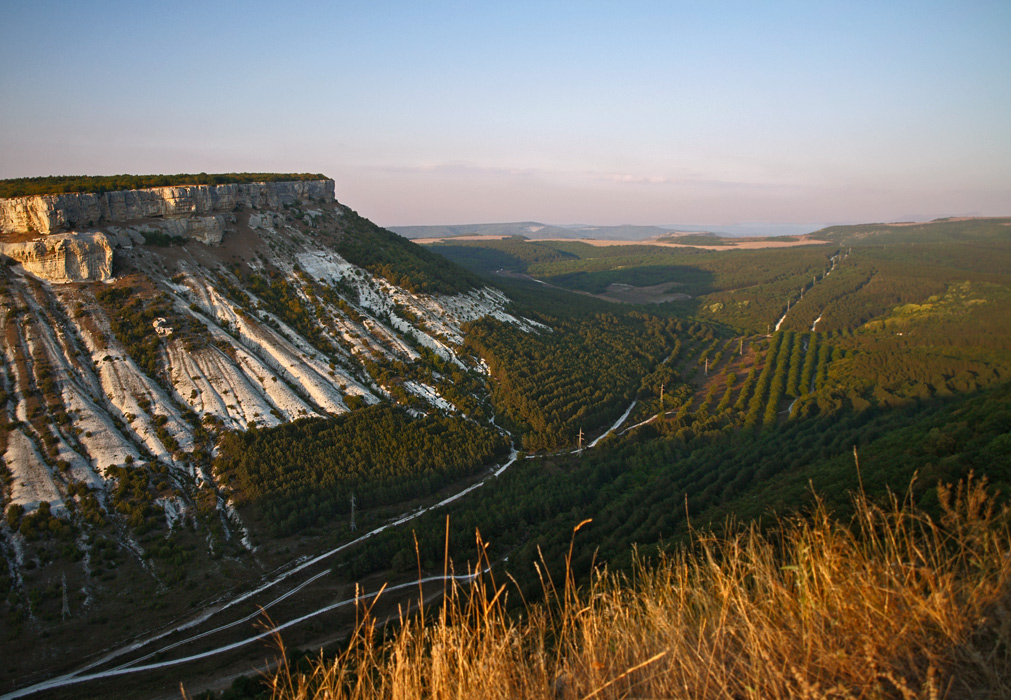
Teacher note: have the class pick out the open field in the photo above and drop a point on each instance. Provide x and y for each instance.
(724, 244)
(445, 239)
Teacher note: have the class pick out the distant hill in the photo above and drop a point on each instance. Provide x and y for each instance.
(535, 230)
(937, 231)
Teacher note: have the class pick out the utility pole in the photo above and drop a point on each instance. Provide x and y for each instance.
(580, 443)
(353, 525)
(66, 611)
(741, 351)
(661, 395)
(707, 366)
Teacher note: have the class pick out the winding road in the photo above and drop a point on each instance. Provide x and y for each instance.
(137, 665)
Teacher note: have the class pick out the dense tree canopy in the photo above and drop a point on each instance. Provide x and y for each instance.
(62, 184)
(304, 473)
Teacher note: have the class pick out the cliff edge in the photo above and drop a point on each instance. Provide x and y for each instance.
(53, 236)
(46, 214)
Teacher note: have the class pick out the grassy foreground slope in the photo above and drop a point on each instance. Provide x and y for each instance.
(891, 604)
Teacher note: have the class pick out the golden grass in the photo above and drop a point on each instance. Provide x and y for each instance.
(889, 605)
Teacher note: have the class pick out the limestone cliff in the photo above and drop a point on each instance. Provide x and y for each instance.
(65, 257)
(198, 212)
(60, 212)
(206, 229)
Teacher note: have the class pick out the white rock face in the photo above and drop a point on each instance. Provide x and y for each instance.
(199, 212)
(206, 229)
(59, 212)
(65, 257)
(33, 480)
(228, 357)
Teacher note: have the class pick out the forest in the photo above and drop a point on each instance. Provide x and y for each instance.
(878, 328)
(648, 489)
(901, 335)
(899, 351)
(304, 474)
(859, 274)
(582, 375)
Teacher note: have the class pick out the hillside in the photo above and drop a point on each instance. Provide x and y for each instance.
(133, 347)
(229, 400)
(966, 229)
(655, 560)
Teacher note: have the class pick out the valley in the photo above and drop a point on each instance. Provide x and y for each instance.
(230, 402)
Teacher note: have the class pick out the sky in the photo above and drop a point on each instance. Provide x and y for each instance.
(606, 113)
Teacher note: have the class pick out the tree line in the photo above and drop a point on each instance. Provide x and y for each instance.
(64, 184)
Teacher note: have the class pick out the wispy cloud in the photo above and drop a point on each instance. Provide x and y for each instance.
(629, 179)
(687, 180)
(456, 168)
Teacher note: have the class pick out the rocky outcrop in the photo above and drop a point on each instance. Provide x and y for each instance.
(65, 257)
(60, 212)
(206, 229)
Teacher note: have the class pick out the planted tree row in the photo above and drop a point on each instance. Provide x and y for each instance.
(582, 375)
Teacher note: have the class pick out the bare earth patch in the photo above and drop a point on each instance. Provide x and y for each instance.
(450, 239)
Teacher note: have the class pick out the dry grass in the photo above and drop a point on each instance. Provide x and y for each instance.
(889, 605)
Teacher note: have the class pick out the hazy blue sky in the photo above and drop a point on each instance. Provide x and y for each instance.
(701, 112)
